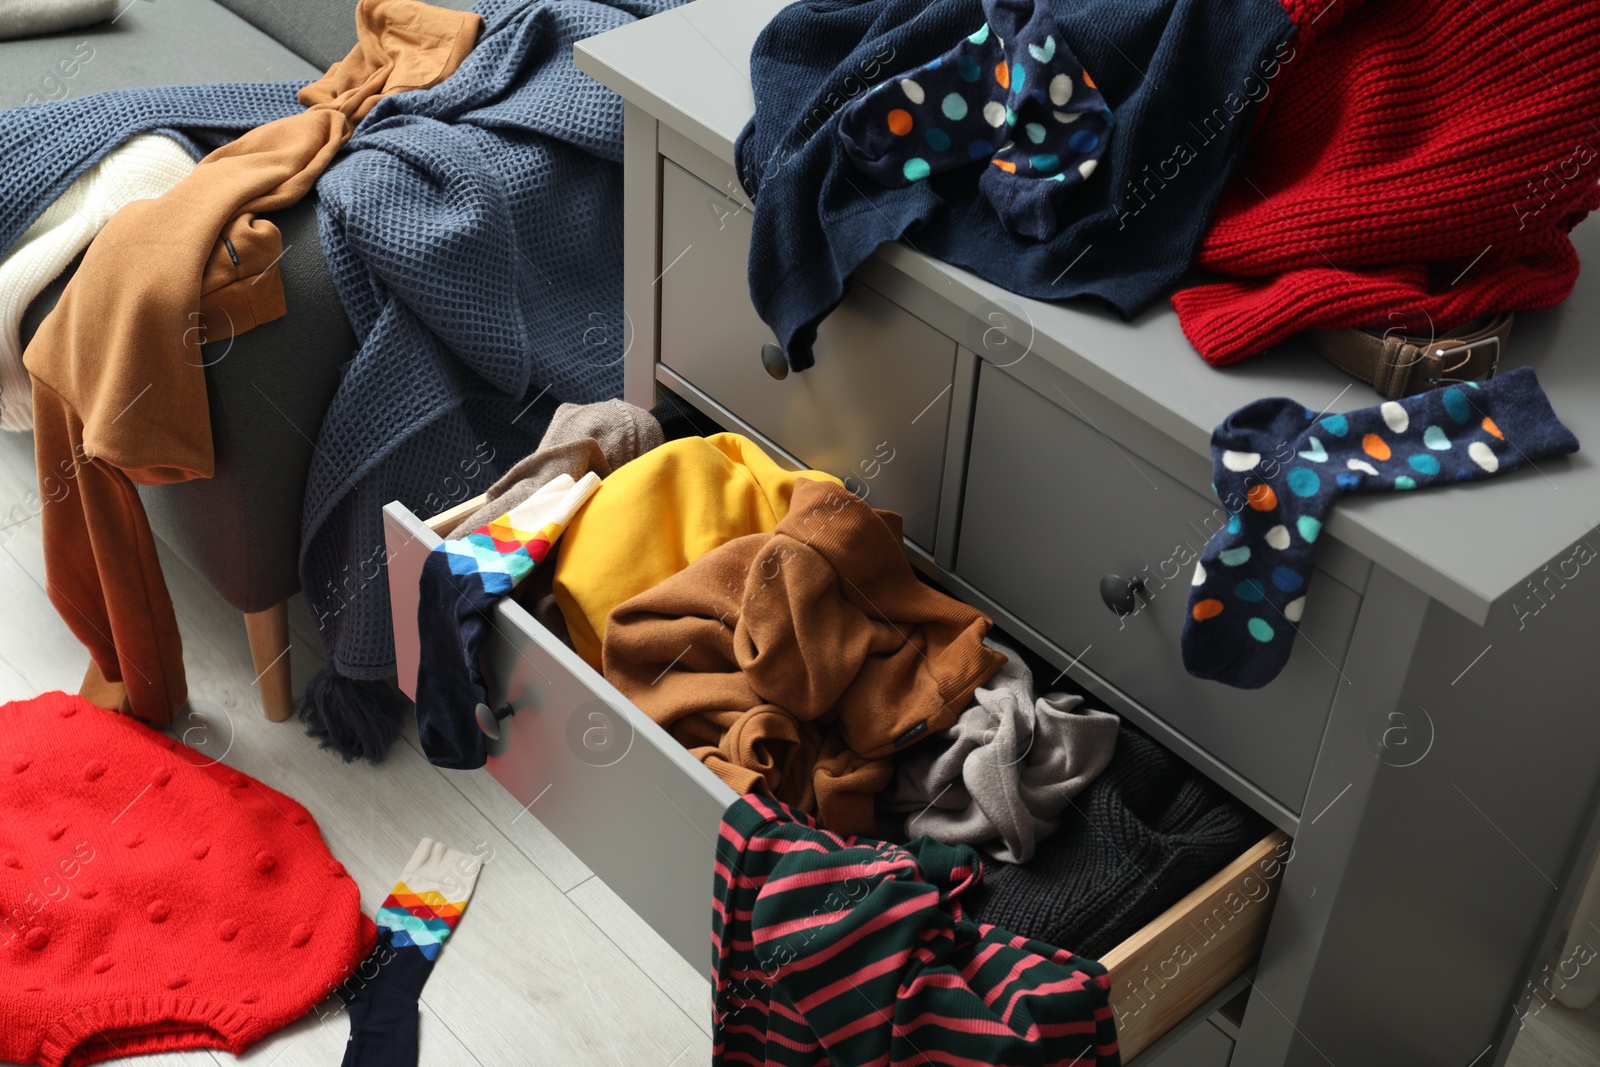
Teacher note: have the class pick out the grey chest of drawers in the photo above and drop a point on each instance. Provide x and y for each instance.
(1434, 745)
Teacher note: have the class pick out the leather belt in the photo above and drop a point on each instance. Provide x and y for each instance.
(1398, 365)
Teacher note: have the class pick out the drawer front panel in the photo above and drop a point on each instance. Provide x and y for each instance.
(873, 410)
(625, 797)
(1170, 968)
(1040, 528)
(612, 785)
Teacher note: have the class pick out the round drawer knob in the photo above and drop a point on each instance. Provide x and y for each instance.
(1121, 594)
(773, 359)
(489, 719)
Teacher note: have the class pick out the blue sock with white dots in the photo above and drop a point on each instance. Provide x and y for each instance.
(1011, 95)
(1278, 468)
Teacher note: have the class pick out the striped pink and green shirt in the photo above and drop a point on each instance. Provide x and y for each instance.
(834, 951)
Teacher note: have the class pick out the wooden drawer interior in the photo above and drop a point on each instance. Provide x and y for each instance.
(1194, 949)
(647, 821)
(872, 411)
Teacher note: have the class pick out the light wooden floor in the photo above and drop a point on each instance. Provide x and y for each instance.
(1559, 1037)
(548, 966)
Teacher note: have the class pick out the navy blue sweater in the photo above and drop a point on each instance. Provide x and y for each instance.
(1183, 77)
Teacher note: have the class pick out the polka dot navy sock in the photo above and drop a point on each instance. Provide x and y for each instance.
(1011, 94)
(1278, 468)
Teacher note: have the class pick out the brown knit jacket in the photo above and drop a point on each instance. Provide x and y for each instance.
(796, 662)
(119, 392)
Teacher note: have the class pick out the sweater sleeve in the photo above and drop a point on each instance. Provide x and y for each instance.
(101, 566)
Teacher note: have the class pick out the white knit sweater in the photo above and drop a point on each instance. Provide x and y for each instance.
(30, 18)
(144, 167)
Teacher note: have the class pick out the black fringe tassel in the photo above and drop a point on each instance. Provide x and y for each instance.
(357, 719)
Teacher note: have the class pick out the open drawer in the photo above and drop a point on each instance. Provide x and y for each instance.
(644, 815)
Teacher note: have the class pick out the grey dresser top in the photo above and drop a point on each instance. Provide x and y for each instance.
(1467, 546)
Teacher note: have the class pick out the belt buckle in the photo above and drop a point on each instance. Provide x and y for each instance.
(1445, 353)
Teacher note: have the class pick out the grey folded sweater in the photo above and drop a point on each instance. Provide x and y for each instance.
(1002, 776)
(31, 18)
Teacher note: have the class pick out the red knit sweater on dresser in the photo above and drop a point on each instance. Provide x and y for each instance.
(1420, 163)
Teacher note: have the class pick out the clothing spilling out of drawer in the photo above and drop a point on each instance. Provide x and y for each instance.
(798, 662)
(853, 950)
(769, 620)
(492, 552)
(1145, 832)
(471, 575)
(1004, 775)
(657, 515)
(581, 439)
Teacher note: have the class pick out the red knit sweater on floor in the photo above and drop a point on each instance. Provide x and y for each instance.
(151, 898)
(1420, 163)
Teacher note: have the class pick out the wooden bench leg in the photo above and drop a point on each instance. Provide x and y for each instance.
(269, 648)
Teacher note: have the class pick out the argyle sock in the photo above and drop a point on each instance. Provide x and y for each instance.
(1278, 468)
(1013, 94)
(421, 911)
(461, 583)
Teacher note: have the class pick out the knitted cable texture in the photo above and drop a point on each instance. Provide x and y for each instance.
(1389, 191)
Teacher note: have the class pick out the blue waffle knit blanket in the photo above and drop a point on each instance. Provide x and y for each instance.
(473, 232)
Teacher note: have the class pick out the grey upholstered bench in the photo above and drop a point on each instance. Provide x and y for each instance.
(270, 389)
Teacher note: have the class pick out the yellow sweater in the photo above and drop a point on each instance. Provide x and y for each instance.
(658, 514)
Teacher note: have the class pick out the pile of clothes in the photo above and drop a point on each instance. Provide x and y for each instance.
(468, 184)
(827, 948)
(770, 621)
(1063, 148)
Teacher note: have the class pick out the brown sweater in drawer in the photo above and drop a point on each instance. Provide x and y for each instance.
(119, 392)
(796, 662)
